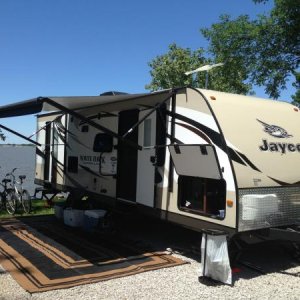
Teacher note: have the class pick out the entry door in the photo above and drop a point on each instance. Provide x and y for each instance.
(58, 151)
(127, 157)
(146, 169)
(54, 152)
(47, 151)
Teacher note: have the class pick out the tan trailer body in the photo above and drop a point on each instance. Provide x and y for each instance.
(199, 158)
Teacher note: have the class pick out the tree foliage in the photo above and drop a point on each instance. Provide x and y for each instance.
(168, 70)
(268, 48)
(296, 97)
(263, 52)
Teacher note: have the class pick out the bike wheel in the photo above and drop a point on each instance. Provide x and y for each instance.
(26, 201)
(11, 202)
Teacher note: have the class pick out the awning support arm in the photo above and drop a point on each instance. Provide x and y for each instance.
(42, 128)
(158, 105)
(90, 122)
(172, 138)
(20, 135)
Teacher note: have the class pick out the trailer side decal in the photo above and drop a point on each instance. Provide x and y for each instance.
(196, 131)
(40, 153)
(275, 130)
(216, 138)
(245, 158)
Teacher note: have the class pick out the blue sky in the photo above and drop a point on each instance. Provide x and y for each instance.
(64, 47)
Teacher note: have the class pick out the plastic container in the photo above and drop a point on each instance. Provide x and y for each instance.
(59, 211)
(73, 217)
(94, 219)
(222, 213)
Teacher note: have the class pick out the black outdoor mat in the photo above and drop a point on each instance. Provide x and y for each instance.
(43, 254)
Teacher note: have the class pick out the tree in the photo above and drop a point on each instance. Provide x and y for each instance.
(296, 97)
(168, 71)
(263, 52)
(267, 48)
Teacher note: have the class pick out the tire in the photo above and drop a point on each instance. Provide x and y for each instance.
(26, 201)
(11, 202)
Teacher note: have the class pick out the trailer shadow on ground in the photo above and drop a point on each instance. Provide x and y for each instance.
(253, 261)
(266, 258)
(154, 235)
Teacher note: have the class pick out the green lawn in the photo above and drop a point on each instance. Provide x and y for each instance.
(39, 207)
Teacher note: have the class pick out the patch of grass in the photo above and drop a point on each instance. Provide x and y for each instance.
(39, 208)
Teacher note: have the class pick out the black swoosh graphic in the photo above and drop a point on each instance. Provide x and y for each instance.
(216, 138)
(196, 131)
(245, 158)
(39, 153)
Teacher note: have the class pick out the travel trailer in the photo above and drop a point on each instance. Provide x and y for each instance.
(198, 158)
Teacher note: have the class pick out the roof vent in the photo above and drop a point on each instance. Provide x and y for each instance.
(113, 93)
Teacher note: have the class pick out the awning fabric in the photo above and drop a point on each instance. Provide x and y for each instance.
(38, 105)
(21, 108)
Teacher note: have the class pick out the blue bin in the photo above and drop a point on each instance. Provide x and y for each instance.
(94, 219)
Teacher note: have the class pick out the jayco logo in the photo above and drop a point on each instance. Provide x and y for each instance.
(277, 132)
(274, 130)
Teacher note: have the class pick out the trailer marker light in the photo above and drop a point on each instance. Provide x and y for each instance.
(213, 98)
(229, 203)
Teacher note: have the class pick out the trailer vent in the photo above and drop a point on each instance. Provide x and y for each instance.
(113, 93)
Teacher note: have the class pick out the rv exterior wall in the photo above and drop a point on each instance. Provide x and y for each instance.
(256, 144)
(264, 141)
(51, 153)
(264, 135)
(80, 144)
(194, 125)
(39, 158)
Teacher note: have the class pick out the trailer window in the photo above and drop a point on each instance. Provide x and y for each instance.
(103, 143)
(202, 195)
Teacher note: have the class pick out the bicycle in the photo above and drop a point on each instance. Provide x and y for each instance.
(21, 195)
(7, 197)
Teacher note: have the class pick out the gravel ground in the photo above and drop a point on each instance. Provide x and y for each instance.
(280, 281)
